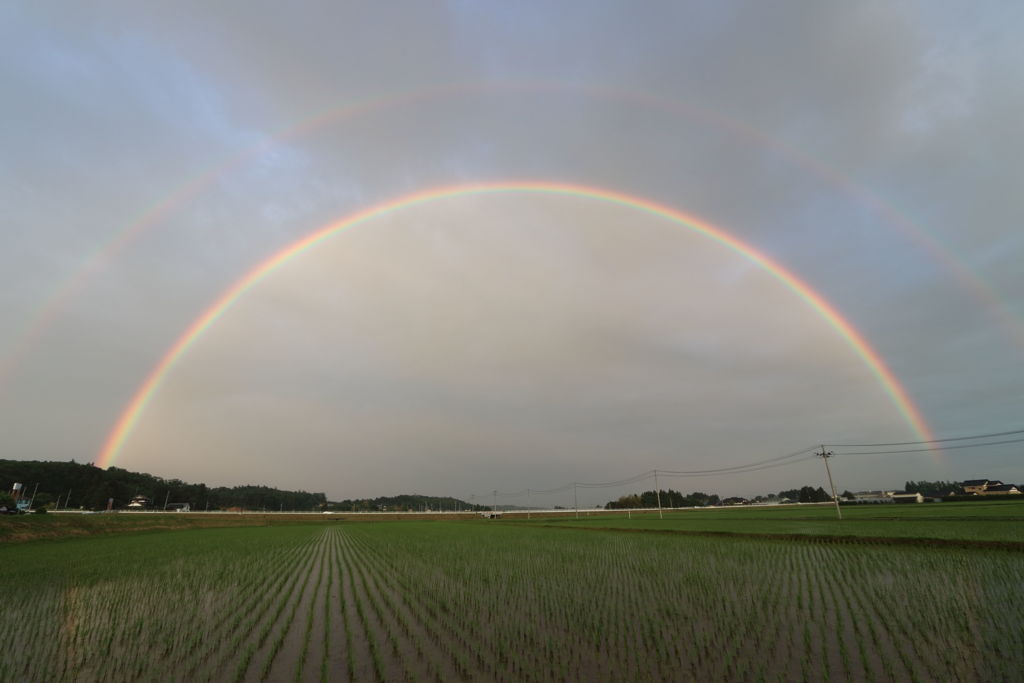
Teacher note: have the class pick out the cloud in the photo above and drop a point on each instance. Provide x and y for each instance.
(508, 339)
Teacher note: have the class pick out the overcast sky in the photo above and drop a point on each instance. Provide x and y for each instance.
(154, 153)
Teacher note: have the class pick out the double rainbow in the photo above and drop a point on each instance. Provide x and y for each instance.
(130, 416)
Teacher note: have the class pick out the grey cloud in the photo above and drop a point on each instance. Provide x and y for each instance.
(519, 340)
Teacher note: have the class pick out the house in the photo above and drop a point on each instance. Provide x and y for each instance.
(872, 497)
(999, 490)
(975, 486)
(901, 497)
(140, 503)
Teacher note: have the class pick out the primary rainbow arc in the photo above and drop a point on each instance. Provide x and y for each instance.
(891, 385)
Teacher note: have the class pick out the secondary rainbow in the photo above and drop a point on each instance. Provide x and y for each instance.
(131, 414)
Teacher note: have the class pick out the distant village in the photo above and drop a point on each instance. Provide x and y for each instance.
(971, 487)
(912, 492)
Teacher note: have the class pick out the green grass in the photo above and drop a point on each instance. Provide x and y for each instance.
(996, 521)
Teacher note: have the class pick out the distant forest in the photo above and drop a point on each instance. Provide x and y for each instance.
(675, 499)
(403, 503)
(74, 485)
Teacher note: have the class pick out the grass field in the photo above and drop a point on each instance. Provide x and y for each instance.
(488, 600)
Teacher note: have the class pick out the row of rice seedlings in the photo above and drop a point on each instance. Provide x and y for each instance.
(259, 582)
(297, 600)
(815, 600)
(481, 633)
(108, 629)
(182, 621)
(325, 643)
(253, 637)
(107, 617)
(398, 643)
(350, 666)
(446, 641)
(28, 645)
(407, 646)
(395, 607)
(254, 630)
(447, 638)
(33, 633)
(311, 612)
(357, 593)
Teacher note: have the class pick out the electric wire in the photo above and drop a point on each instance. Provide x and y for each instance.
(914, 443)
(803, 455)
(941, 448)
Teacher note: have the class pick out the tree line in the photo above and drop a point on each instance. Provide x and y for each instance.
(675, 499)
(403, 503)
(85, 486)
(803, 494)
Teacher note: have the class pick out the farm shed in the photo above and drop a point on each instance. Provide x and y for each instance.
(907, 498)
(872, 497)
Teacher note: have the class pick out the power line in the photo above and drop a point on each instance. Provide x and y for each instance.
(748, 468)
(939, 448)
(915, 443)
(736, 468)
(768, 463)
(802, 455)
(622, 482)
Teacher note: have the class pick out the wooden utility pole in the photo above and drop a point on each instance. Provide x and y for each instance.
(657, 491)
(825, 455)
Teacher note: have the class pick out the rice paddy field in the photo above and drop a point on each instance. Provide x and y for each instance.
(539, 600)
(998, 522)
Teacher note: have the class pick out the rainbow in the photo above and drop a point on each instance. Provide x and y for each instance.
(131, 414)
(24, 340)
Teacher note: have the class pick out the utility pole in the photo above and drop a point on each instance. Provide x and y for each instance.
(527, 503)
(825, 455)
(575, 502)
(657, 492)
(495, 507)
